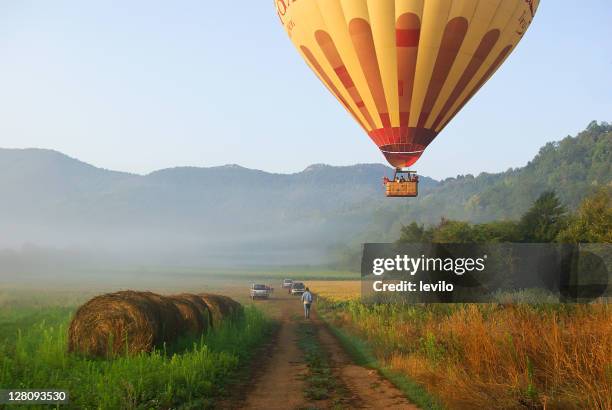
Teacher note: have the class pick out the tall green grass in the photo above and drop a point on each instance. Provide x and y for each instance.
(188, 374)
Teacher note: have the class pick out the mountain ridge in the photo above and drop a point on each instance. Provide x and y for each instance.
(51, 153)
(53, 200)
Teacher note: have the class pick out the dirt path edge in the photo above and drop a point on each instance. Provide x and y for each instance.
(363, 356)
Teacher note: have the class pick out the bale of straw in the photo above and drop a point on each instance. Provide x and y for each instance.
(123, 322)
(221, 307)
(193, 320)
(169, 316)
(201, 306)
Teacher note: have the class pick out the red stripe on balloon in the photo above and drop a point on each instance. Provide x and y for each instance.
(481, 54)
(408, 32)
(363, 42)
(407, 37)
(453, 37)
(333, 57)
(327, 81)
(344, 76)
(496, 64)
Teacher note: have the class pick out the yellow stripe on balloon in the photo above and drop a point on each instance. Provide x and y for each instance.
(435, 17)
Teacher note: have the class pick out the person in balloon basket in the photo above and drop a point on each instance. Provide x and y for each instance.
(307, 300)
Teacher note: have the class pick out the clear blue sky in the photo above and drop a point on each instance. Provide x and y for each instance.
(141, 85)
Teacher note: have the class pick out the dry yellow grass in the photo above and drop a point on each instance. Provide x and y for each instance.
(337, 291)
(493, 356)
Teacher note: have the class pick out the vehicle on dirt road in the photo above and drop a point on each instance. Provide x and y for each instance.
(287, 283)
(297, 288)
(260, 291)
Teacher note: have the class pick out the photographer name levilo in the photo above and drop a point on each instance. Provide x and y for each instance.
(412, 266)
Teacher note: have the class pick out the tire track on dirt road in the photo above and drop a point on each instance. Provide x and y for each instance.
(371, 389)
(280, 384)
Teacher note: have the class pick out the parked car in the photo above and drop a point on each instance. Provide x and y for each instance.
(297, 288)
(287, 283)
(260, 291)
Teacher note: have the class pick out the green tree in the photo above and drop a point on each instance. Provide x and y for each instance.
(544, 220)
(498, 231)
(453, 232)
(415, 233)
(449, 231)
(592, 222)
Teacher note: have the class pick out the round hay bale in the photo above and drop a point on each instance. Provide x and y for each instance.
(113, 324)
(123, 323)
(221, 307)
(201, 306)
(169, 316)
(193, 321)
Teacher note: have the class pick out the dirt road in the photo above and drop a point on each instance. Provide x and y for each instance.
(281, 381)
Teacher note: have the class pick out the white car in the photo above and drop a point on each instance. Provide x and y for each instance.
(298, 288)
(260, 291)
(287, 283)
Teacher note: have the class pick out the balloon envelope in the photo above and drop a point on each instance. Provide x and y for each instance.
(404, 68)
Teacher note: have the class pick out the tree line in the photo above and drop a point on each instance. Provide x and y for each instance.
(547, 220)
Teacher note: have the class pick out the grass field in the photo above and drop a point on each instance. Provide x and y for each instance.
(490, 356)
(463, 356)
(223, 275)
(33, 355)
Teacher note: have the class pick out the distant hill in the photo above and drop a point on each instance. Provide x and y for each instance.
(233, 214)
(185, 214)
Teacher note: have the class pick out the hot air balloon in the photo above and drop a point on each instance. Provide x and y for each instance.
(404, 68)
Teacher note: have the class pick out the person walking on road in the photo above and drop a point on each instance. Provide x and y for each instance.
(307, 300)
